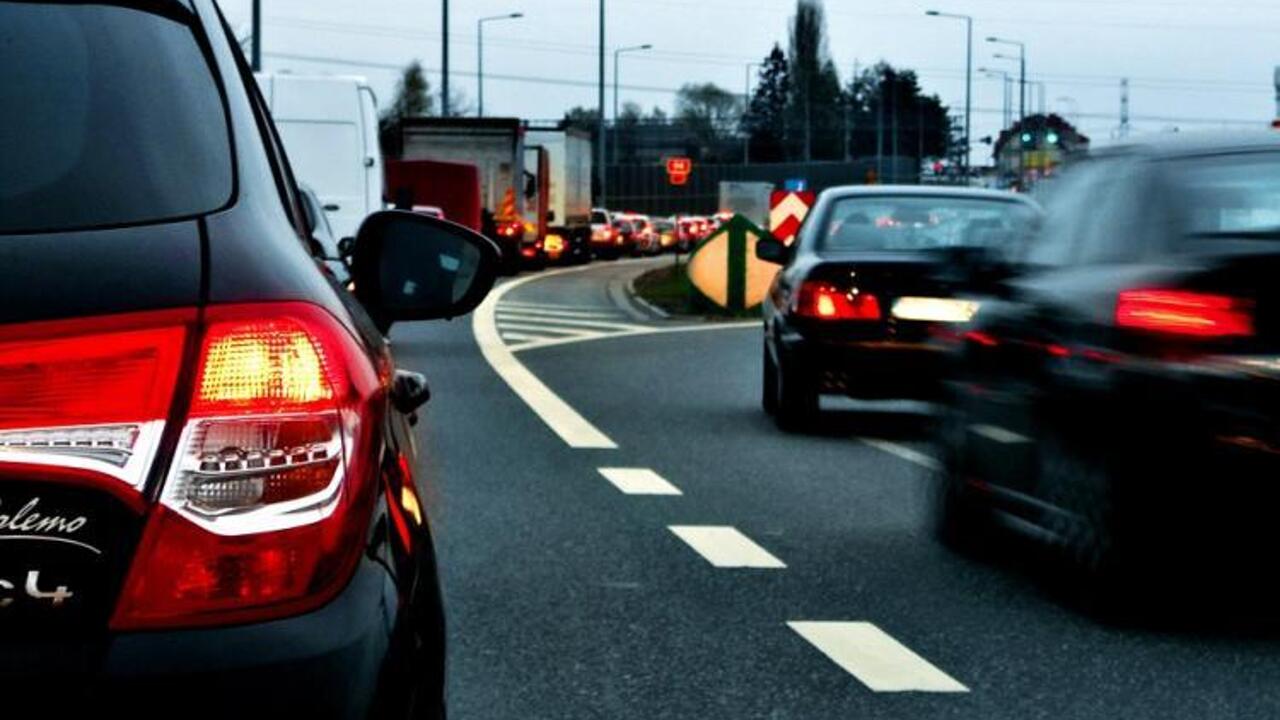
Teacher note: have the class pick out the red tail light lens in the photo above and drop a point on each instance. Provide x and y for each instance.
(264, 507)
(825, 301)
(1190, 314)
(89, 396)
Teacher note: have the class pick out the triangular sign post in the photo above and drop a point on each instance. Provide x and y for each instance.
(725, 269)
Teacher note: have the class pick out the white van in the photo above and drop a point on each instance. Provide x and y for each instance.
(329, 124)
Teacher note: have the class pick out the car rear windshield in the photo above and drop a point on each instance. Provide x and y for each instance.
(905, 223)
(1229, 195)
(111, 117)
(599, 218)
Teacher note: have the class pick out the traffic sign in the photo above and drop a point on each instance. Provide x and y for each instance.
(787, 211)
(679, 169)
(725, 269)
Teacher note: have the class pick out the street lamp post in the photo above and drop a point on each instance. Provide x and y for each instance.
(617, 55)
(600, 157)
(1003, 76)
(1022, 71)
(480, 54)
(256, 50)
(968, 83)
(444, 59)
(746, 108)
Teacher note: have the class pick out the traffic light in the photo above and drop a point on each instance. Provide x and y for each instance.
(1052, 138)
(1028, 137)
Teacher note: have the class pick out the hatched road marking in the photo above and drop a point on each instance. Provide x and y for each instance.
(725, 547)
(639, 481)
(876, 659)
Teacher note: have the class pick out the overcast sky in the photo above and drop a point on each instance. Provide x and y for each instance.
(1192, 63)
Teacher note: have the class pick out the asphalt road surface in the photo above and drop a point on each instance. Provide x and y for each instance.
(624, 534)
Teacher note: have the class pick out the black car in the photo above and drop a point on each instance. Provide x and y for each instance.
(1117, 395)
(208, 496)
(864, 290)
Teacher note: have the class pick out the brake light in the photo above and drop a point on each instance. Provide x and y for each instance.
(825, 301)
(89, 398)
(511, 229)
(264, 508)
(1179, 312)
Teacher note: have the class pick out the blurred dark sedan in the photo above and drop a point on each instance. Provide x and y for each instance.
(865, 288)
(1117, 396)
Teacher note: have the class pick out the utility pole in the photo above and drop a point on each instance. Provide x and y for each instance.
(617, 55)
(256, 52)
(600, 141)
(880, 129)
(444, 60)
(1124, 107)
(746, 109)
(968, 83)
(480, 53)
(893, 115)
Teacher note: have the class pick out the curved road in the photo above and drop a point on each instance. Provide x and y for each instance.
(720, 569)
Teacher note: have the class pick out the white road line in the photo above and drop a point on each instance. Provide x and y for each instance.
(507, 307)
(639, 481)
(725, 547)
(563, 420)
(875, 658)
(999, 434)
(555, 331)
(705, 327)
(515, 336)
(504, 316)
(903, 452)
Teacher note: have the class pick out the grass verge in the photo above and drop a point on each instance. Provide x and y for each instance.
(668, 287)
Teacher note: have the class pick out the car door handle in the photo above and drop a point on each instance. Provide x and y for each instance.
(409, 391)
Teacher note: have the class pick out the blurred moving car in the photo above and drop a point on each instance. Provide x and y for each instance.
(667, 232)
(605, 237)
(642, 240)
(859, 295)
(207, 467)
(329, 126)
(1118, 393)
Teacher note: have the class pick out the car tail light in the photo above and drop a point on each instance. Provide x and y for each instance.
(825, 301)
(264, 508)
(1191, 314)
(89, 398)
(511, 229)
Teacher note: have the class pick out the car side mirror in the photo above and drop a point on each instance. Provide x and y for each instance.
(771, 249)
(408, 266)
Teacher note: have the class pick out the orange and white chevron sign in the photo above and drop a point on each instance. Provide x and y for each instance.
(787, 210)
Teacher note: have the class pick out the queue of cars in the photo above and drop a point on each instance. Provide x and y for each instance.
(619, 234)
(1107, 370)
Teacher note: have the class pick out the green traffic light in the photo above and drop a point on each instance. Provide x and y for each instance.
(1052, 137)
(1027, 138)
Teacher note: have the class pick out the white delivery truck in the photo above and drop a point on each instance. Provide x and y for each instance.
(329, 125)
(568, 168)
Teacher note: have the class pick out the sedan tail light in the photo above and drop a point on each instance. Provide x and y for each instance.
(1190, 314)
(824, 301)
(88, 399)
(265, 504)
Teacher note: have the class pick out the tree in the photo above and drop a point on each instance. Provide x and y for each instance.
(892, 118)
(413, 96)
(765, 122)
(709, 112)
(583, 118)
(815, 109)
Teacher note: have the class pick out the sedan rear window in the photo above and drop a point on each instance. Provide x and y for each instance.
(1229, 195)
(905, 223)
(111, 117)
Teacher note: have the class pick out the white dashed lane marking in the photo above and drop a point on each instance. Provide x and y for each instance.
(725, 547)
(999, 434)
(876, 659)
(903, 452)
(639, 481)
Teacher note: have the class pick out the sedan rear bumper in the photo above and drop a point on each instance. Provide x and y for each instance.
(868, 369)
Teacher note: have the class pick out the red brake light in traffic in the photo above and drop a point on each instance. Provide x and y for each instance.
(1179, 312)
(263, 509)
(825, 301)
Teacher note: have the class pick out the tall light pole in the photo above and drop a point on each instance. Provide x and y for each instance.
(256, 51)
(444, 59)
(600, 158)
(1022, 71)
(480, 54)
(746, 109)
(617, 54)
(1004, 85)
(968, 83)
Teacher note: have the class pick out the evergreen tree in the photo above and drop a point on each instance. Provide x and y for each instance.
(413, 96)
(765, 122)
(815, 109)
(883, 100)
